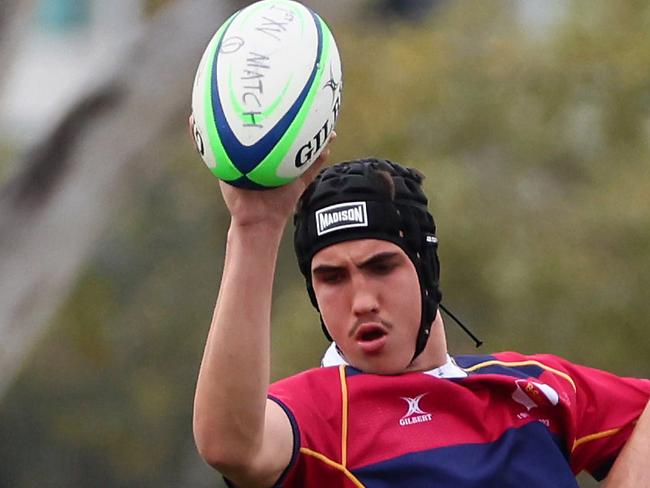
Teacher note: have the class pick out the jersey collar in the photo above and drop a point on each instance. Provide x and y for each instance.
(450, 369)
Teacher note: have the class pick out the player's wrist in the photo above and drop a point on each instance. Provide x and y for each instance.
(264, 232)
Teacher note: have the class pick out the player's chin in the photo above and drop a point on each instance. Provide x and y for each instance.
(383, 364)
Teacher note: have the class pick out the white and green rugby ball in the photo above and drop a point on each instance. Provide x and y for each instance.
(266, 95)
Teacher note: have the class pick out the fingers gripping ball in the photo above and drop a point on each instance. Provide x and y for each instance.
(266, 95)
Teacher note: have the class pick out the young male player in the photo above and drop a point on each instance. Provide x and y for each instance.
(390, 408)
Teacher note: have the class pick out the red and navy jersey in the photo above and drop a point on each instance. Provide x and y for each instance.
(503, 420)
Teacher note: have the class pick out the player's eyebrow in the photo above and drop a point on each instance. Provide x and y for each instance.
(380, 258)
(377, 259)
(324, 269)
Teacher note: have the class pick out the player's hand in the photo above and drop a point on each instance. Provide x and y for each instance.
(270, 207)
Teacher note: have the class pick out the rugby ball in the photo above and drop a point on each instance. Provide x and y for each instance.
(266, 95)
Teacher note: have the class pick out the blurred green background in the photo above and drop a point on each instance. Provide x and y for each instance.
(534, 135)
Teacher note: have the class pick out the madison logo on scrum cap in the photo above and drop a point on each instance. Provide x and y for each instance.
(341, 216)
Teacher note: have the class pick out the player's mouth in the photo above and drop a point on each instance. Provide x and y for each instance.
(370, 337)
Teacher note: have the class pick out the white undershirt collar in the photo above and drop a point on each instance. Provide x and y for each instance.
(450, 369)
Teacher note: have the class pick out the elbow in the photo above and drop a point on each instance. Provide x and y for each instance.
(229, 466)
(227, 457)
(209, 453)
(207, 439)
(210, 449)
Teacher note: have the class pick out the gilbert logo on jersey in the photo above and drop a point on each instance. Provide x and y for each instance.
(414, 415)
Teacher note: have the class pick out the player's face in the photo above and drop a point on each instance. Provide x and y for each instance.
(369, 297)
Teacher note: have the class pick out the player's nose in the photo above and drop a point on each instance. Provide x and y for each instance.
(364, 298)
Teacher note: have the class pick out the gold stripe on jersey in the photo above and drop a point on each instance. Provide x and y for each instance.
(308, 452)
(530, 362)
(595, 436)
(344, 416)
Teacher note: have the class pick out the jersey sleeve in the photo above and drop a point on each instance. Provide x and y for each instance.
(604, 411)
(312, 402)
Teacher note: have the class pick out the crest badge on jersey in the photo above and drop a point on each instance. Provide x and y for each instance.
(532, 394)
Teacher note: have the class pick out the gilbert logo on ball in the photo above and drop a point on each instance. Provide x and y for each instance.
(266, 95)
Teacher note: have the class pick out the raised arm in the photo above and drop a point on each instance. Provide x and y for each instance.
(236, 429)
(632, 467)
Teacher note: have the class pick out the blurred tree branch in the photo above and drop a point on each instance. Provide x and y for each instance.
(53, 212)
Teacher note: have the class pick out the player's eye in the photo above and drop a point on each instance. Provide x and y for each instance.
(330, 277)
(384, 268)
(333, 278)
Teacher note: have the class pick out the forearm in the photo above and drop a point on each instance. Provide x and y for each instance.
(231, 390)
(632, 468)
